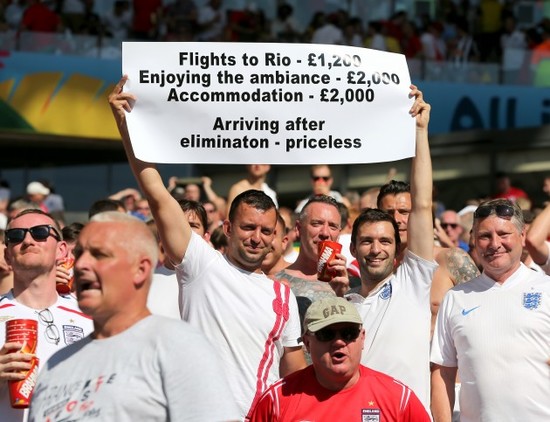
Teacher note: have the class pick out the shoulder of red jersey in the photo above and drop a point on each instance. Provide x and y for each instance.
(395, 386)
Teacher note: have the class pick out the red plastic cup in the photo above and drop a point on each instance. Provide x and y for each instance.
(23, 331)
(327, 251)
(63, 288)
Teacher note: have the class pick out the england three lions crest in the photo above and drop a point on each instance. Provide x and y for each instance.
(531, 300)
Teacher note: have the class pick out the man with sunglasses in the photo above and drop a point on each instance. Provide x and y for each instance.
(6, 274)
(34, 245)
(450, 222)
(495, 330)
(336, 387)
(321, 184)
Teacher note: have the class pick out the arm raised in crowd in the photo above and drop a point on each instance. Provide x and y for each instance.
(212, 196)
(535, 241)
(420, 225)
(173, 227)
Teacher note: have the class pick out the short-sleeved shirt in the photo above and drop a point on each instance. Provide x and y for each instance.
(498, 337)
(375, 397)
(247, 316)
(159, 369)
(71, 325)
(397, 322)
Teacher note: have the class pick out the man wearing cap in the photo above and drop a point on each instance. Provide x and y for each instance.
(37, 193)
(336, 387)
(495, 329)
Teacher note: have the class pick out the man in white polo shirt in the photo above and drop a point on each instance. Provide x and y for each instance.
(495, 329)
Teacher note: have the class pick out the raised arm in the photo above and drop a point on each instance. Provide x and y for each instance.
(212, 196)
(537, 235)
(420, 225)
(121, 194)
(234, 190)
(173, 227)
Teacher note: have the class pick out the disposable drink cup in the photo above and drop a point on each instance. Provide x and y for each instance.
(327, 251)
(23, 331)
(21, 391)
(65, 288)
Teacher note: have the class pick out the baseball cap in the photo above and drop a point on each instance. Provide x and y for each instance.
(467, 209)
(37, 188)
(328, 311)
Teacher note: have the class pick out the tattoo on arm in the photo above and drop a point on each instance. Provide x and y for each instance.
(461, 266)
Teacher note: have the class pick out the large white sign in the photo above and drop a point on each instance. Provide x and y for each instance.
(243, 103)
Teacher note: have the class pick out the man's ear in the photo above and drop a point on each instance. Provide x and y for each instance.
(61, 251)
(144, 269)
(227, 228)
(298, 228)
(284, 242)
(353, 249)
(7, 256)
(306, 340)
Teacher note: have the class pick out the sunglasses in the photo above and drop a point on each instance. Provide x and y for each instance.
(39, 233)
(52, 332)
(347, 334)
(451, 225)
(501, 210)
(317, 178)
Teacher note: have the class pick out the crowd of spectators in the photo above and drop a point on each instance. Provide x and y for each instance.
(458, 31)
(407, 263)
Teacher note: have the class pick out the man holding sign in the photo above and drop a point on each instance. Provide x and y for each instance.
(252, 319)
(394, 301)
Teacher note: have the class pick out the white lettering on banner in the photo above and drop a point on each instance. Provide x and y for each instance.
(244, 103)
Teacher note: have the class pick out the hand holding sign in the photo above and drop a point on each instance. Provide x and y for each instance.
(271, 103)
